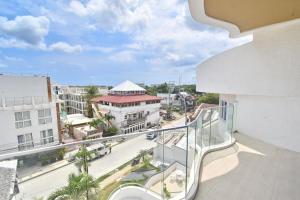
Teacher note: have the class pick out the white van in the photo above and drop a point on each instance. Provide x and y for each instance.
(97, 150)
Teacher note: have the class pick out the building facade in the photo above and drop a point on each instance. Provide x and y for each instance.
(260, 78)
(73, 97)
(28, 113)
(131, 107)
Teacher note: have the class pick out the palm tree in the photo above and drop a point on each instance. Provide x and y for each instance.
(97, 123)
(82, 157)
(143, 154)
(77, 188)
(92, 91)
(108, 118)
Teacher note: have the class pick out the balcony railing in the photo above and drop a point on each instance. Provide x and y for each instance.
(22, 101)
(132, 166)
(130, 122)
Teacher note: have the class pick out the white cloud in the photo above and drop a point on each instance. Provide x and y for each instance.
(123, 56)
(164, 28)
(65, 47)
(28, 29)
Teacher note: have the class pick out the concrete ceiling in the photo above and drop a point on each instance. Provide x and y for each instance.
(252, 14)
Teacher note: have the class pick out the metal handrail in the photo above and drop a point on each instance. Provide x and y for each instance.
(106, 139)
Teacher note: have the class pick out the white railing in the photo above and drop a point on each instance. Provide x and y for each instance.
(22, 101)
(208, 132)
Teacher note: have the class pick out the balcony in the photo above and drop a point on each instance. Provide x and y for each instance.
(126, 166)
(6, 102)
(130, 122)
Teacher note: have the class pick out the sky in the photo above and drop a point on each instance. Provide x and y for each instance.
(105, 42)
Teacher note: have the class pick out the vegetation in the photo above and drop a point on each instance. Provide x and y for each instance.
(92, 91)
(166, 192)
(164, 88)
(111, 131)
(97, 124)
(153, 90)
(143, 154)
(209, 98)
(79, 187)
(108, 119)
(53, 156)
(82, 158)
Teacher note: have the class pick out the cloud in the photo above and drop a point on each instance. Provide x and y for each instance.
(113, 15)
(65, 47)
(123, 56)
(163, 31)
(28, 29)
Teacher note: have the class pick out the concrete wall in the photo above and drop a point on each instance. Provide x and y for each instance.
(9, 132)
(19, 87)
(262, 79)
(23, 86)
(119, 113)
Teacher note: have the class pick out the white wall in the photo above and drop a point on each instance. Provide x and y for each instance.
(9, 132)
(271, 119)
(19, 87)
(262, 78)
(119, 113)
(23, 86)
(270, 65)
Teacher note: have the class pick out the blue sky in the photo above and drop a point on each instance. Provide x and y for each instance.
(106, 41)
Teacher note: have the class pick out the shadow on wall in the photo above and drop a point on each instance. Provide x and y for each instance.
(250, 170)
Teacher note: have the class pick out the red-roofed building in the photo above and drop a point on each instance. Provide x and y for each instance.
(132, 108)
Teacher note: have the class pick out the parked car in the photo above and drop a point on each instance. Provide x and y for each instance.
(152, 135)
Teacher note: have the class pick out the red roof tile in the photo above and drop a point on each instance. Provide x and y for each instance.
(126, 99)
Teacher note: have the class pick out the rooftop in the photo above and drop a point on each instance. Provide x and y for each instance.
(126, 99)
(127, 86)
(7, 178)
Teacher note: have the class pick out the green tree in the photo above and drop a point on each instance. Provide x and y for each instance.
(92, 91)
(209, 98)
(97, 123)
(82, 157)
(112, 131)
(143, 154)
(79, 187)
(108, 118)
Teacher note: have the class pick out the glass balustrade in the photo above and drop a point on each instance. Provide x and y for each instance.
(158, 164)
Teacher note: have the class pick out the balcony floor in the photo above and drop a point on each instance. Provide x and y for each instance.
(250, 170)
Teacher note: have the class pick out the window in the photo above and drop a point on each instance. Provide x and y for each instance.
(44, 116)
(47, 136)
(22, 119)
(223, 109)
(25, 141)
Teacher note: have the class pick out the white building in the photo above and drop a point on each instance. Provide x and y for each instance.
(132, 108)
(28, 113)
(72, 97)
(261, 78)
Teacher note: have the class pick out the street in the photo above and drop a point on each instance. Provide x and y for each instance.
(45, 184)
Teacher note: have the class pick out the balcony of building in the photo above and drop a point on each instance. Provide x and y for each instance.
(201, 160)
(10, 102)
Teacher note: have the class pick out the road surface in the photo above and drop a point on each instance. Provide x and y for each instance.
(45, 184)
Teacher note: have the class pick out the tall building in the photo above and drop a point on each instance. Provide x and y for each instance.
(28, 113)
(131, 107)
(73, 97)
(260, 78)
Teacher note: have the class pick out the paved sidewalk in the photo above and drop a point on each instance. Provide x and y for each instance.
(45, 170)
